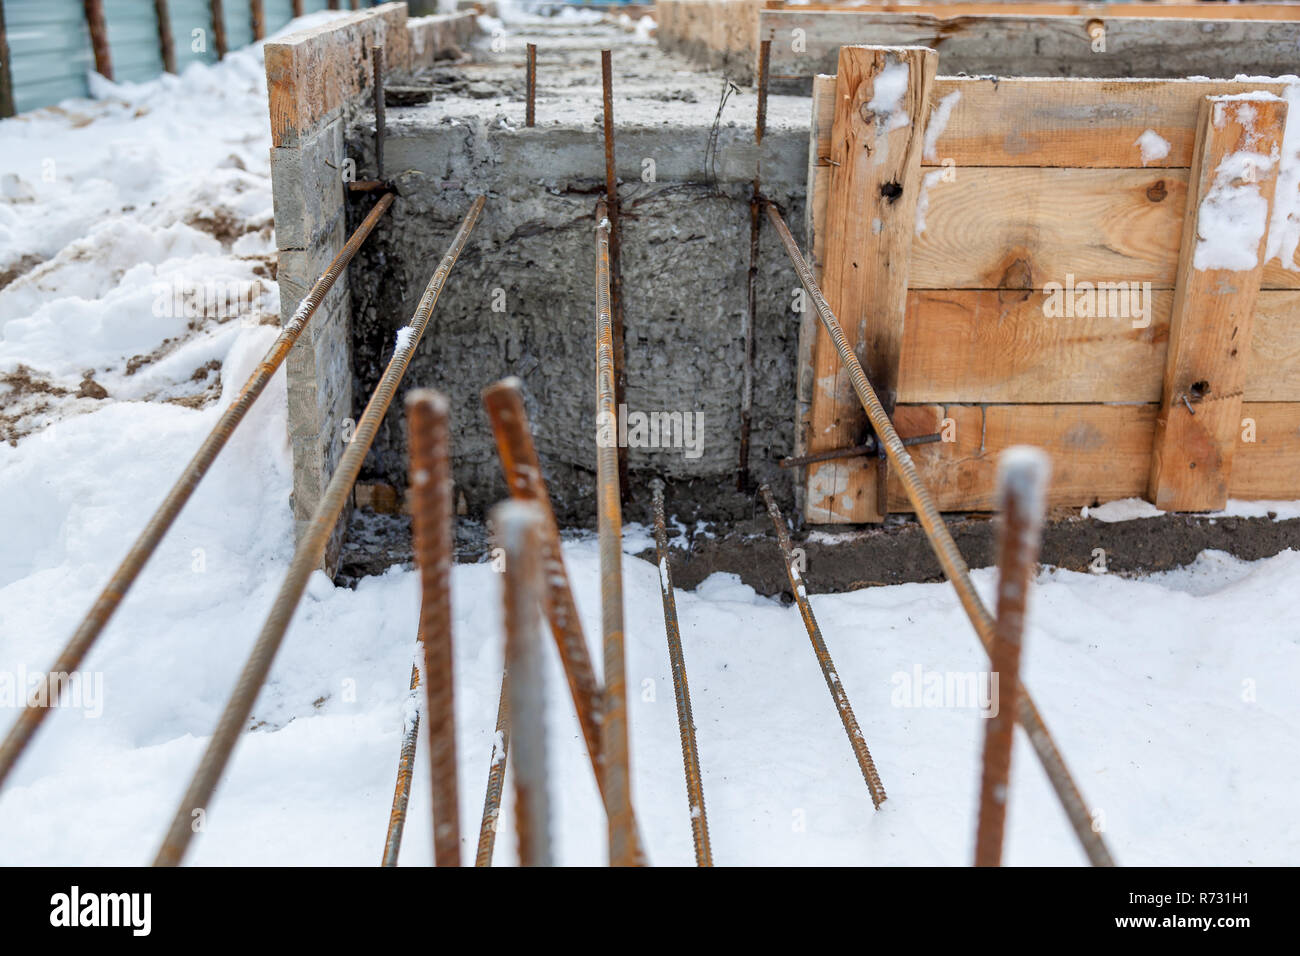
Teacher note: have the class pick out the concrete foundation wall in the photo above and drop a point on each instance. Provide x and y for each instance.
(521, 300)
(316, 78)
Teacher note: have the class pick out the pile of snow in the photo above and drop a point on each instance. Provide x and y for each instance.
(136, 241)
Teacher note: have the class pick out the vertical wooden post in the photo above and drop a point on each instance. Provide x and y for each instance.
(165, 44)
(882, 104)
(218, 28)
(1199, 424)
(6, 77)
(99, 37)
(257, 11)
(297, 8)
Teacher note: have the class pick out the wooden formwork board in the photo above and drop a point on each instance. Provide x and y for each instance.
(1009, 39)
(1029, 189)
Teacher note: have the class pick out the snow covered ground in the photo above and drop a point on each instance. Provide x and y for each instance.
(1172, 697)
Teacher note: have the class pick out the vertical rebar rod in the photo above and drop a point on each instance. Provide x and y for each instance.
(681, 690)
(487, 830)
(613, 213)
(97, 618)
(405, 768)
(1022, 489)
(749, 331)
(306, 559)
(530, 111)
(832, 677)
(504, 402)
(378, 82)
(429, 444)
(518, 525)
(950, 559)
(614, 733)
(166, 45)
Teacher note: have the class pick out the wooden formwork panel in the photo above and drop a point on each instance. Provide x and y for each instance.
(1053, 190)
(721, 32)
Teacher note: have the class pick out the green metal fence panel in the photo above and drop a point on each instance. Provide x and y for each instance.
(192, 32)
(49, 51)
(239, 23)
(133, 40)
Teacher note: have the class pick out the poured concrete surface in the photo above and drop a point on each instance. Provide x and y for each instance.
(521, 301)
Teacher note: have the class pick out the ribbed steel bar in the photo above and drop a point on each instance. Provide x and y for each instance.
(97, 618)
(530, 110)
(378, 86)
(518, 527)
(1022, 489)
(428, 442)
(950, 559)
(487, 831)
(504, 402)
(306, 559)
(614, 756)
(682, 690)
(614, 212)
(405, 768)
(749, 328)
(856, 740)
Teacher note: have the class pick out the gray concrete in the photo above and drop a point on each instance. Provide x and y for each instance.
(522, 299)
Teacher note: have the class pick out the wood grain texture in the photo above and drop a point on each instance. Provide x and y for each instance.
(874, 185)
(805, 43)
(1020, 228)
(1211, 326)
(313, 73)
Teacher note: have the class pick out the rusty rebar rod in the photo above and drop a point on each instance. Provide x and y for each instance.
(613, 212)
(614, 756)
(487, 830)
(1022, 490)
(405, 768)
(518, 525)
(530, 110)
(681, 690)
(429, 443)
(749, 326)
(97, 618)
(950, 559)
(504, 402)
(378, 83)
(306, 559)
(856, 740)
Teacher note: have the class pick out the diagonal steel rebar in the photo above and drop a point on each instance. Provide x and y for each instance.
(97, 618)
(856, 740)
(950, 559)
(682, 690)
(405, 768)
(487, 830)
(306, 560)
